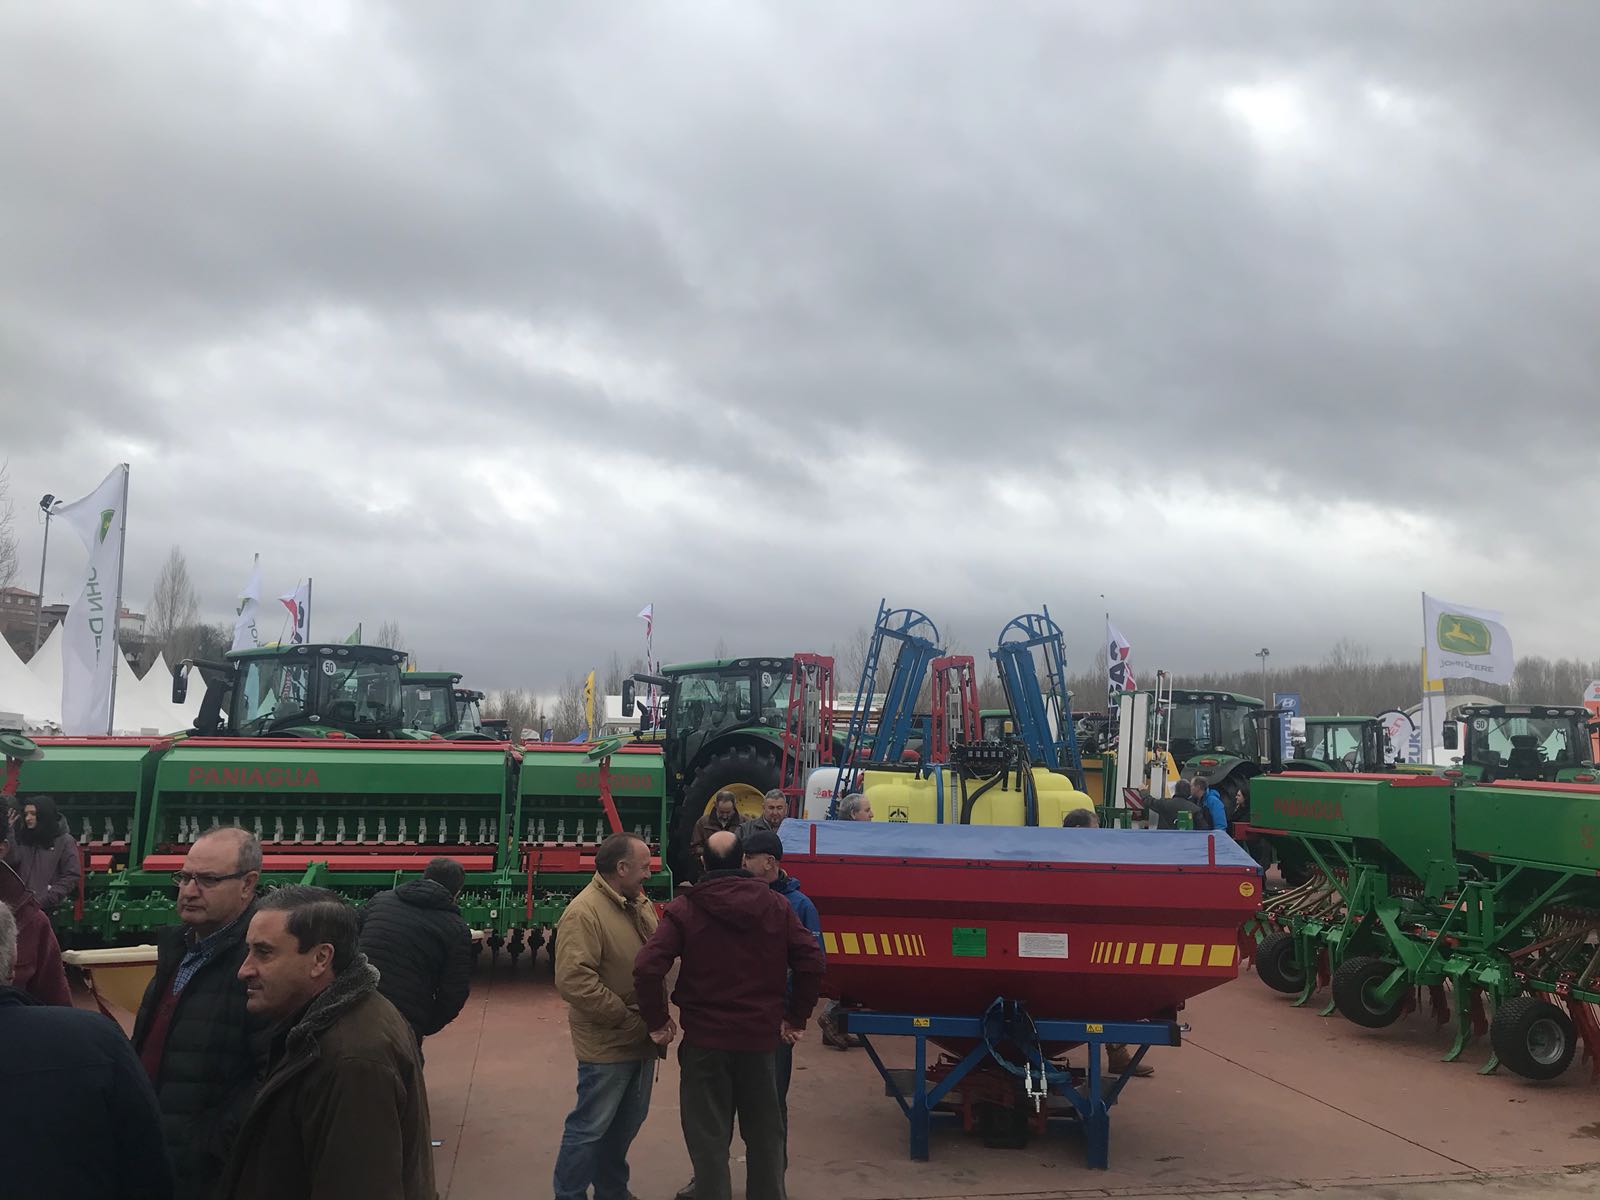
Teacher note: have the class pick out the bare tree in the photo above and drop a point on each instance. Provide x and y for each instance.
(8, 533)
(567, 721)
(173, 608)
(389, 635)
(614, 676)
(519, 708)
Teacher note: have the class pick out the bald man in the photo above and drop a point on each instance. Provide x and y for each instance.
(192, 1033)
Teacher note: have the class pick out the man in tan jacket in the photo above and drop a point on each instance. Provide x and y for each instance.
(596, 941)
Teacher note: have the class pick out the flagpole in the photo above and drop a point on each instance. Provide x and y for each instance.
(1427, 703)
(308, 610)
(116, 612)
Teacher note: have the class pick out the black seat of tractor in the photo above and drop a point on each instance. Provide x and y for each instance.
(1525, 760)
(342, 710)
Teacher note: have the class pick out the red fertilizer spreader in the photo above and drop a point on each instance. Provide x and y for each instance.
(1007, 945)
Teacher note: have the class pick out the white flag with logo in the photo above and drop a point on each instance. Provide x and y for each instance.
(298, 602)
(1119, 670)
(89, 642)
(1466, 643)
(245, 635)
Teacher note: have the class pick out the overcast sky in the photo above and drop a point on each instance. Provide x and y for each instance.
(501, 320)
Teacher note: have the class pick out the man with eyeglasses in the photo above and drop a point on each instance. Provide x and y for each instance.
(192, 1033)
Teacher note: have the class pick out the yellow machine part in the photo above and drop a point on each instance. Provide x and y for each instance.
(896, 796)
(1094, 780)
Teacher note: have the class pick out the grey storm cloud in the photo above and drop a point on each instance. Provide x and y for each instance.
(1257, 319)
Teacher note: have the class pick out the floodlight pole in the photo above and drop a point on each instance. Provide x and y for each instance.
(38, 616)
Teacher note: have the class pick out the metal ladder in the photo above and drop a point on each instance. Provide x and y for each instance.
(1043, 710)
(918, 639)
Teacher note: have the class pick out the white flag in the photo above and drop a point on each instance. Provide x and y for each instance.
(1119, 671)
(298, 602)
(1465, 643)
(245, 635)
(89, 648)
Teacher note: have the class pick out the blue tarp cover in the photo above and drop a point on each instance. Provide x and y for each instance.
(1109, 847)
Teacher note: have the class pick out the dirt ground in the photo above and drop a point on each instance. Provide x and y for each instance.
(1262, 1099)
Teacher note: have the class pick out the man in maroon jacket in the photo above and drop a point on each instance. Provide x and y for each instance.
(738, 940)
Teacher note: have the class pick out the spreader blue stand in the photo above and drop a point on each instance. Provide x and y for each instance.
(1007, 1024)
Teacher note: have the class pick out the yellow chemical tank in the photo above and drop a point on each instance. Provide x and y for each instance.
(901, 796)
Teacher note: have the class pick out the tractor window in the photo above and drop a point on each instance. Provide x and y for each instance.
(775, 688)
(1534, 741)
(362, 693)
(427, 708)
(713, 699)
(468, 717)
(269, 692)
(1330, 743)
(1236, 730)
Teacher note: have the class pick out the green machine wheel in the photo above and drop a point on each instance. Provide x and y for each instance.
(1355, 985)
(1275, 963)
(1533, 1037)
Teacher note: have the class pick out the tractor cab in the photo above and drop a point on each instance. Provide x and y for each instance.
(1340, 744)
(996, 724)
(308, 691)
(427, 699)
(469, 717)
(1522, 741)
(1216, 724)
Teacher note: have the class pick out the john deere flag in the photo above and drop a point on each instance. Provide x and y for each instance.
(1465, 643)
(245, 636)
(89, 648)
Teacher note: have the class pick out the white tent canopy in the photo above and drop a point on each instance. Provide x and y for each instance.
(23, 693)
(34, 689)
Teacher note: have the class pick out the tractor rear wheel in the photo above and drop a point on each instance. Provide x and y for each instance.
(1275, 963)
(1354, 993)
(746, 771)
(1533, 1037)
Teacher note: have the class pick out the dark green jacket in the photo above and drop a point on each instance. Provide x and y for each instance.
(343, 1112)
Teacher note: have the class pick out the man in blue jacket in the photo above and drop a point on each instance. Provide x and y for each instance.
(1210, 804)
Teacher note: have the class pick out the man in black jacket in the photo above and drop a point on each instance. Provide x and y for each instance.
(421, 947)
(192, 1032)
(81, 1120)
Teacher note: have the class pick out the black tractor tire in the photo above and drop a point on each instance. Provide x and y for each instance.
(1352, 993)
(746, 764)
(1276, 965)
(1533, 1037)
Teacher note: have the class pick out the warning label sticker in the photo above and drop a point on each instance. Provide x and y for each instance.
(1041, 945)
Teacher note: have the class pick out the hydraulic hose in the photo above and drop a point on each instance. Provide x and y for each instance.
(968, 799)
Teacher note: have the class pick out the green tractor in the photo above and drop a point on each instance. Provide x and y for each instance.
(1216, 736)
(310, 691)
(721, 725)
(1536, 742)
(434, 705)
(1340, 744)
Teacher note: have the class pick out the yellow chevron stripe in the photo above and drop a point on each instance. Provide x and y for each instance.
(871, 941)
(1146, 953)
(1116, 952)
(830, 944)
(1192, 954)
(1221, 955)
(851, 944)
(1169, 954)
(1133, 951)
